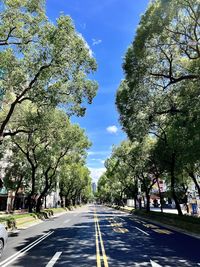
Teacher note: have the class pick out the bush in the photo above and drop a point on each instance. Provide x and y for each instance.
(9, 222)
(49, 212)
(70, 207)
(39, 215)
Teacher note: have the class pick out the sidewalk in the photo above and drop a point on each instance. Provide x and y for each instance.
(165, 210)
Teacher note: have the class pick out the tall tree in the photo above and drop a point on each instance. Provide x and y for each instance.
(42, 62)
(49, 137)
(161, 69)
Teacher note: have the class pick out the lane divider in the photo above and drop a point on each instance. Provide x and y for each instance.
(20, 253)
(54, 259)
(99, 244)
(141, 231)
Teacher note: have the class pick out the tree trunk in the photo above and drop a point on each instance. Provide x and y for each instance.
(30, 202)
(39, 204)
(173, 185)
(140, 203)
(42, 195)
(160, 195)
(135, 202)
(148, 201)
(192, 175)
(61, 200)
(67, 202)
(16, 192)
(39, 200)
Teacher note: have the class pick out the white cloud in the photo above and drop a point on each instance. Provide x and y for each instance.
(100, 160)
(96, 42)
(112, 129)
(96, 173)
(93, 153)
(94, 161)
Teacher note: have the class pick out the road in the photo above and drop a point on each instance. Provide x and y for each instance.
(100, 236)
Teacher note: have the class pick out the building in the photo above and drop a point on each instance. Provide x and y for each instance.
(94, 187)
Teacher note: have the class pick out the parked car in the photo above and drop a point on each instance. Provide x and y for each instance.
(3, 238)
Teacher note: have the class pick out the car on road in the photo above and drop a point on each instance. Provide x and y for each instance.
(3, 238)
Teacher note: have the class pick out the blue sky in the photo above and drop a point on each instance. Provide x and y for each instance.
(108, 26)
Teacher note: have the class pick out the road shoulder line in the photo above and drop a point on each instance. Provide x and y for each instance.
(20, 253)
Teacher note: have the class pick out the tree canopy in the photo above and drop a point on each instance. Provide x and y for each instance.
(42, 62)
(159, 95)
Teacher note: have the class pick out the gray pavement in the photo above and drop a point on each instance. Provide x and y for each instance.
(100, 236)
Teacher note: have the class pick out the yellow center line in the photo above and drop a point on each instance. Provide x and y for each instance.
(99, 238)
(102, 246)
(97, 246)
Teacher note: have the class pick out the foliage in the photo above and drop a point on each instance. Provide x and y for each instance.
(9, 222)
(75, 183)
(160, 94)
(42, 62)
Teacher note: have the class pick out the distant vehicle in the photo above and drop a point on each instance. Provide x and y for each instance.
(3, 238)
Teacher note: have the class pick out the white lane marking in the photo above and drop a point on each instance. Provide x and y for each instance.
(20, 253)
(142, 231)
(54, 259)
(154, 264)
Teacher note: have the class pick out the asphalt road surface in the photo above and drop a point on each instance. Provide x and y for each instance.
(100, 236)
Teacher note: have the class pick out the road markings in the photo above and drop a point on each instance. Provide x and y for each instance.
(54, 259)
(120, 230)
(102, 246)
(117, 226)
(141, 231)
(20, 253)
(99, 239)
(150, 226)
(162, 231)
(154, 264)
(97, 246)
(153, 227)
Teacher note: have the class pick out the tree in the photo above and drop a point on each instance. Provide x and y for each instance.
(132, 165)
(42, 62)
(75, 183)
(16, 176)
(50, 139)
(119, 174)
(161, 74)
(104, 192)
(163, 57)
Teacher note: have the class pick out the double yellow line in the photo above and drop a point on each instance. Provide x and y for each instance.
(99, 244)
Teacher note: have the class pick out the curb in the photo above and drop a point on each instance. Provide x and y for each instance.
(26, 225)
